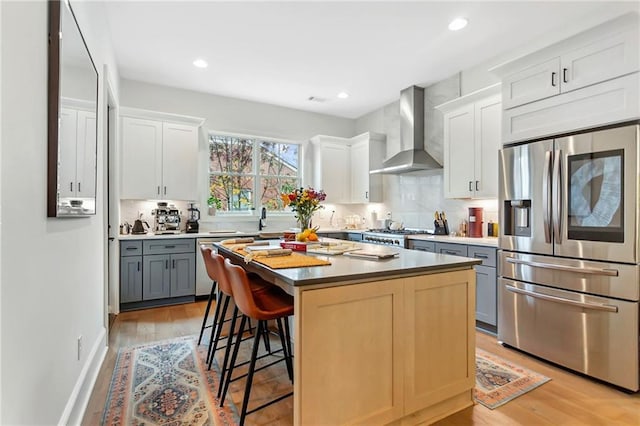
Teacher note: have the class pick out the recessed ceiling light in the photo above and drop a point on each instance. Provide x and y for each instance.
(200, 63)
(343, 95)
(458, 24)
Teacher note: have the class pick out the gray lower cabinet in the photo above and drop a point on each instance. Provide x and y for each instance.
(153, 270)
(130, 279)
(486, 294)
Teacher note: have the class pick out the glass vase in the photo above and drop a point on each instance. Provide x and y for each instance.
(304, 222)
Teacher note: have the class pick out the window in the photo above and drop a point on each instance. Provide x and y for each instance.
(248, 173)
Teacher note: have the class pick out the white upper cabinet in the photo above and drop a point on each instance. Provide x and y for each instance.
(471, 143)
(588, 58)
(159, 158)
(77, 153)
(367, 152)
(340, 167)
(588, 80)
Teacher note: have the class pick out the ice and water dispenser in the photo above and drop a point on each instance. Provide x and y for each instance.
(517, 218)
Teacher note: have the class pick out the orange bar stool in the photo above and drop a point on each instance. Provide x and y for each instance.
(214, 264)
(269, 304)
(206, 252)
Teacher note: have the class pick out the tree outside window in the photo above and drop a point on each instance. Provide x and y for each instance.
(247, 173)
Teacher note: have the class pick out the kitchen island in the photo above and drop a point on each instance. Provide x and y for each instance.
(380, 341)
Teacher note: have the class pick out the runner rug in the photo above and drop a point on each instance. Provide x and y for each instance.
(166, 383)
(498, 381)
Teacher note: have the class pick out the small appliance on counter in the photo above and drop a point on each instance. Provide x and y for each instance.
(167, 219)
(192, 226)
(138, 227)
(475, 222)
(440, 224)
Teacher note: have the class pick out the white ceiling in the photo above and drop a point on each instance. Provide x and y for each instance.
(284, 52)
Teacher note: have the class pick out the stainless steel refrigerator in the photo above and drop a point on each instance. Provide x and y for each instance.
(569, 281)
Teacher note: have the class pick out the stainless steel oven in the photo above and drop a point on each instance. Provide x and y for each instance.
(396, 237)
(569, 282)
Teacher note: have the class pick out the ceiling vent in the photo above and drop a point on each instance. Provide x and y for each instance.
(316, 99)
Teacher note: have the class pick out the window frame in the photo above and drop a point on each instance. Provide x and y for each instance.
(255, 174)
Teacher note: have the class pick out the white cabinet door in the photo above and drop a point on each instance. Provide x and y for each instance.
(179, 162)
(86, 155)
(335, 173)
(67, 154)
(459, 152)
(600, 60)
(141, 159)
(360, 172)
(535, 82)
(488, 115)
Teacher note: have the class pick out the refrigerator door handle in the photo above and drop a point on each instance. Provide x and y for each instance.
(587, 305)
(557, 192)
(590, 271)
(546, 199)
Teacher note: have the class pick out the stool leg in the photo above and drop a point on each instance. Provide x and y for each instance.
(225, 381)
(252, 365)
(206, 311)
(265, 336)
(287, 334)
(215, 336)
(215, 324)
(227, 350)
(285, 350)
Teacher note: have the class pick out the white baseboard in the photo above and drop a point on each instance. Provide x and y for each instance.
(77, 403)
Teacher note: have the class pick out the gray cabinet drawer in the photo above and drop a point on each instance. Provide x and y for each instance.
(130, 248)
(429, 246)
(336, 235)
(487, 254)
(353, 236)
(453, 249)
(169, 246)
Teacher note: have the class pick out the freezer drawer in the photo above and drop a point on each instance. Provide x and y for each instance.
(593, 335)
(615, 280)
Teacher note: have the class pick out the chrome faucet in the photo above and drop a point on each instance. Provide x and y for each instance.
(263, 217)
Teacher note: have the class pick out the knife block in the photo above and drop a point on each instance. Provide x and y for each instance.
(441, 230)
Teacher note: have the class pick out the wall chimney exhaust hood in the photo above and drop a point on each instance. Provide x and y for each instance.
(411, 136)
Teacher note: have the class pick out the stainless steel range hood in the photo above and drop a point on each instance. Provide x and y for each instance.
(413, 157)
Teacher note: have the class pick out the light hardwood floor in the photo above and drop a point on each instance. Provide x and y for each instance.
(568, 399)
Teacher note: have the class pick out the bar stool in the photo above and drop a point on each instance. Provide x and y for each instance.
(270, 304)
(214, 264)
(206, 252)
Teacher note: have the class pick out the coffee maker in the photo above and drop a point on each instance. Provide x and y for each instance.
(167, 219)
(192, 219)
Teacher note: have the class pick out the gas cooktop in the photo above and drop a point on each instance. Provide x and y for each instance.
(400, 231)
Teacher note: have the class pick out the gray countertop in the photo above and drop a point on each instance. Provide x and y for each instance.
(487, 241)
(344, 268)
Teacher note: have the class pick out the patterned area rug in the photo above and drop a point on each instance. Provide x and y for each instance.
(498, 381)
(165, 383)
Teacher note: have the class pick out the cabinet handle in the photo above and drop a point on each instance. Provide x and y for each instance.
(158, 190)
(450, 252)
(71, 186)
(79, 190)
(470, 183)
(564, 75)
(173, 264)
(165, 190)
(366, 195)
(481, 256)
(169, 247)
(166, 264)
(477, 182)
(553, 79)
(132, 248)
(138, 266)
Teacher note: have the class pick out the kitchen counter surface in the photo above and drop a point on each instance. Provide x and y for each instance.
(485, 241)
(151, 235)
(346, 269)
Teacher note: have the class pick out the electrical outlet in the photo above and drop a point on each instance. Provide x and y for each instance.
(79, 347)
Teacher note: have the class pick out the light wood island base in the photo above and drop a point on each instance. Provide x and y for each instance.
(397, 351)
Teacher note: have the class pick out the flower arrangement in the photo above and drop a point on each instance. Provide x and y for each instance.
(303, 202)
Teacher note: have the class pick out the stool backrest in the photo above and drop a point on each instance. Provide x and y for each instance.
(215, 269)
(242, 295)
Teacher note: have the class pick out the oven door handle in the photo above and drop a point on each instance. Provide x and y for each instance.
(587, 305)
(590, 271)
